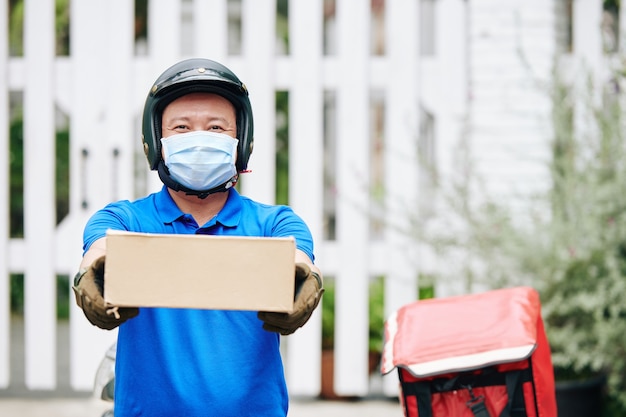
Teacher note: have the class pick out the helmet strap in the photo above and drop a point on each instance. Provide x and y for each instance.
(169, 182)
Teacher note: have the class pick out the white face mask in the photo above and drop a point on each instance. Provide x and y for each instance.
(200, 160)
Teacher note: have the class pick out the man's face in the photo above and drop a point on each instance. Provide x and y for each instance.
(199, 111)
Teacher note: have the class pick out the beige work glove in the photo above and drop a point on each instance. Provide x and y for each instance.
(308, 292)
(89, 289)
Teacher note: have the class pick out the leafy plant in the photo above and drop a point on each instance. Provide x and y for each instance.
(376, 314)
(328, 314)
(569, 241)
(583, 297)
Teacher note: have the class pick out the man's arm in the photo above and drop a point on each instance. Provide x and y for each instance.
(308, 293)
(88, 288)
(302, 257)
(96, 250)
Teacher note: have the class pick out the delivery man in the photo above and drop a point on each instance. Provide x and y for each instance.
(198, 135)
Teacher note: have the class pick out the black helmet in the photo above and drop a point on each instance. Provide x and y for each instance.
(192, 76)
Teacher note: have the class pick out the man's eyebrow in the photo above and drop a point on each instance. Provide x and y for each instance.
(219, 118)
(178, 119)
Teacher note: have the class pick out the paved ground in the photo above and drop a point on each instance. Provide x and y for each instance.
(85, 407)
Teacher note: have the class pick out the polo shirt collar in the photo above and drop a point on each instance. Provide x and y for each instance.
(229, 216)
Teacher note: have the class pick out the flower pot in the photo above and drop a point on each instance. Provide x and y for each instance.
(580, 398)
(327, 390)
(373, 361)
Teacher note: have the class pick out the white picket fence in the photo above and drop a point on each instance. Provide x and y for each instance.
(431, 100)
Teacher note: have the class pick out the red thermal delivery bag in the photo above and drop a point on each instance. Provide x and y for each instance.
(477, 355)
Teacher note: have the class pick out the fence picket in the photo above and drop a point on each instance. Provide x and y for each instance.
(306, 164)
(258, 66)
(353, 181)
(402, 191)
(39, 186)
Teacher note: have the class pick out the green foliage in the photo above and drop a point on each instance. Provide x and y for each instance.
(62, 174)
(62, 27)
(376, 305)
(16, 24)
(282, 147)
(328, 314)
(583, 298)
(569, 242)
(16, 179)
(282, 23)
(376, 314)
(611, 4)
(63, 297)
(141, 19)
(426, 288)
(16, 176)
(16, 295)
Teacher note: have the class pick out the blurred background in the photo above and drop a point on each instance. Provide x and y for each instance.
(434, 147)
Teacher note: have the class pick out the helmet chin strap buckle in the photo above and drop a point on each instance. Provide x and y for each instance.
(201, 196)
(219, 189)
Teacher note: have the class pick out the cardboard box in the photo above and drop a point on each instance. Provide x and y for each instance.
(199, 271)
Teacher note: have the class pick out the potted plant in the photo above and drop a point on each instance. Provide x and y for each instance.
(582, 293)
(569, 242)
(376, 322)
(583, 313)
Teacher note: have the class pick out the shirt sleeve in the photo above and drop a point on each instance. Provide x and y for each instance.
(289, 224)
(111, 217)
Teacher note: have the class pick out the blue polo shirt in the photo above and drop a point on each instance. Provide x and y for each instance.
(187, 362)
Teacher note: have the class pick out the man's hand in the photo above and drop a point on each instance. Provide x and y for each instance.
(89, 289)
(307, 296)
